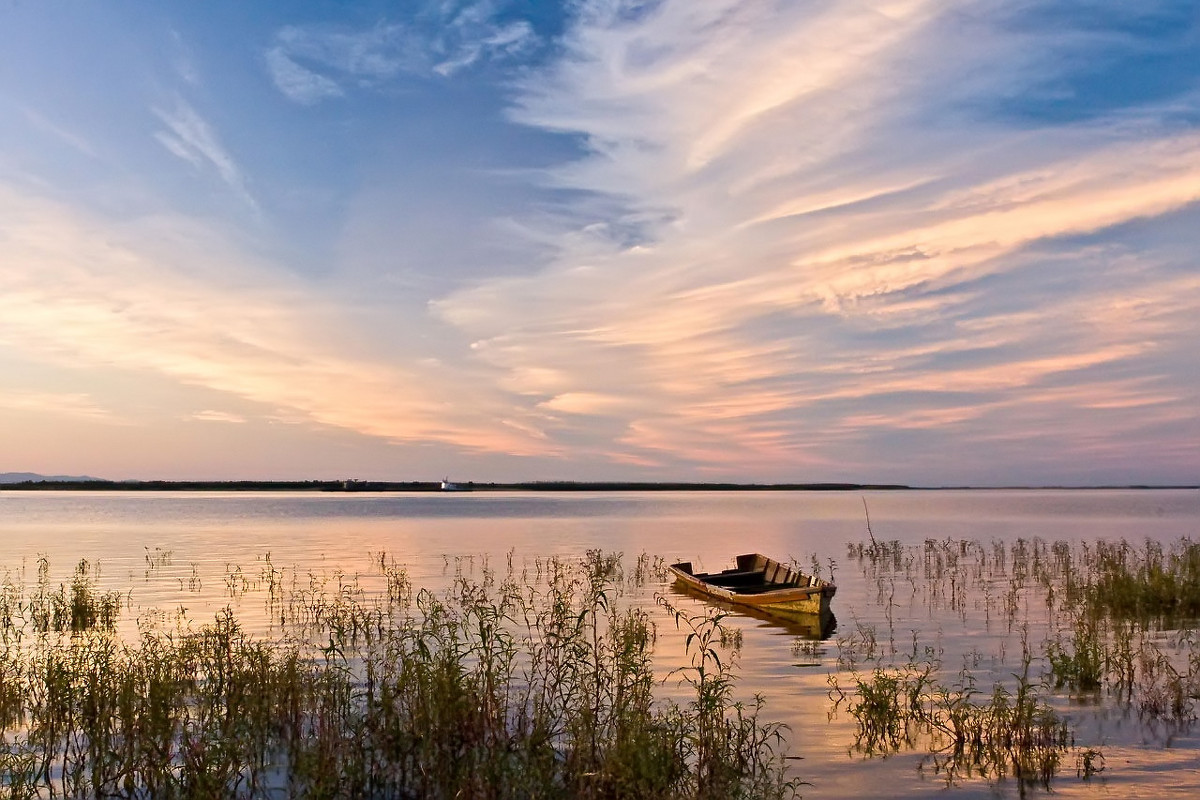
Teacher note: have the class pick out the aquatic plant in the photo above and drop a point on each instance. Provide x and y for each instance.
(503, 686)
(1148, 582)
(735, 755)
(78, 607)
(1120, 624)
(1081, 663)
(1009, 732)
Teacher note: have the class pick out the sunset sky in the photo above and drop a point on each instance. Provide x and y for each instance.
(920, 241)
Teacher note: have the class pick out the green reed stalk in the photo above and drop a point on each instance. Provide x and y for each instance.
(500, 688)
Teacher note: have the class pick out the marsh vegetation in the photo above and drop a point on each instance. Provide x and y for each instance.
(1118, 625)
(1029, 648)
(531, 682)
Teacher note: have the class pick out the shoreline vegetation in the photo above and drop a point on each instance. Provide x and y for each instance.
(541, 678)
(98, 484)
(1117, 634)
(530, 682)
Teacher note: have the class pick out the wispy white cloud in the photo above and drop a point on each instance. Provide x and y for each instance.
(184, 60)
(71, 138)
(209, 415)
(88, 293)
(299, 84)
(831, 243)
(478, 38)
(70, 404)
(317, 62)
(191, 138)
(857, 239)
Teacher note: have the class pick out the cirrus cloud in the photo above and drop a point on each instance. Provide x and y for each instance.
(312, 63)
(833, 248)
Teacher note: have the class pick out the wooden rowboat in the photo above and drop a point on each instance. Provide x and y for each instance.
(760, 583)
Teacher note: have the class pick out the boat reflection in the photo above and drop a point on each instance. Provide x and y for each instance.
(816, 627)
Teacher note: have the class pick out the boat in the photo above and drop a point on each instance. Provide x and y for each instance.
(760, 583)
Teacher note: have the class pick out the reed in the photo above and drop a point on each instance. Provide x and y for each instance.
(1120, 629)
(505, 686)
(1080, 662)
(1010, 731)
(724, 730)
(1152, 581)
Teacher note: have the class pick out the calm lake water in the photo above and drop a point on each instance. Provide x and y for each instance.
(172, 550)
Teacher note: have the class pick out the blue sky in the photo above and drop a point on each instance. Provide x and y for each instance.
(902, 241)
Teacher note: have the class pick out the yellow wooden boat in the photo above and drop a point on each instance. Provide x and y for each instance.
(760, 583)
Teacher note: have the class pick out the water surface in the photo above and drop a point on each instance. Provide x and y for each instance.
(169, 550)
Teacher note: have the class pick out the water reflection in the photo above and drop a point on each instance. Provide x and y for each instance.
(816, 627)
(183, 553)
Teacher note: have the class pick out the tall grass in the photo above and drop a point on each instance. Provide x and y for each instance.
(518, 685)
(1151, 582)
(1007, 732)
(1119, 621)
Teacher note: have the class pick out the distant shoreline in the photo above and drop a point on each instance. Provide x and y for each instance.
(529, 486)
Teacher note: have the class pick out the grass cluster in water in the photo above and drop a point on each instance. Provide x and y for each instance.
(523, 686)
(1127, 626)
(1123, 581)
(997, 734)
(1120, 621)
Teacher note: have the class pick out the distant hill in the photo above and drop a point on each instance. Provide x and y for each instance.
(24, 477)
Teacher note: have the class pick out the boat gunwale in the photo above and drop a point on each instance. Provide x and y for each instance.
(765, 597)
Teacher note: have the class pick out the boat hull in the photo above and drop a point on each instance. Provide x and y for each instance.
(760, 583)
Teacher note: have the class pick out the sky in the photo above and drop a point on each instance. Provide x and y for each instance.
(932, 242)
